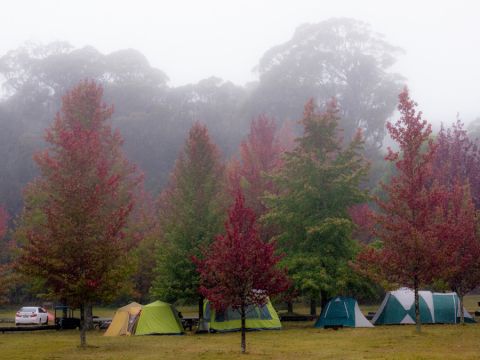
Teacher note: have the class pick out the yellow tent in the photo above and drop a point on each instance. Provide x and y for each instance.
(124, 320)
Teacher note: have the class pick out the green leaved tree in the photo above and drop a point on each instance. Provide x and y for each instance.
(319, 181)
(191, 213)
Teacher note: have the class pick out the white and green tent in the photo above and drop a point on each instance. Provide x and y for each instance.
(257, 318)
(342, 312)
(398, 307)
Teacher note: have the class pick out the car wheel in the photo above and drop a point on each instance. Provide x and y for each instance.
(46, 321)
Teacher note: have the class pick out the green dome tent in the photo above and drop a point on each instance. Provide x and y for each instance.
(257, 318)
(342, 312)
(398, 307)
(159, 318)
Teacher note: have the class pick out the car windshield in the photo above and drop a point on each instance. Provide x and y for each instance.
(28, 309)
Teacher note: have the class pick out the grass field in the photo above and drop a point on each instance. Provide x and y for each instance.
(295, 341)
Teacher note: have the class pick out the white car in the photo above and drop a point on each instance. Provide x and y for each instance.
(31, 315)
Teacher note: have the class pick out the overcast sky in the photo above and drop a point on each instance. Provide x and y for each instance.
(192, 40)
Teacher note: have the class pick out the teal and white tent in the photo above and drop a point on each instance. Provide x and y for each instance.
(398, 307)
(342, 312)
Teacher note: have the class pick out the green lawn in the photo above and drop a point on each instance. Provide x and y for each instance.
(295, 341)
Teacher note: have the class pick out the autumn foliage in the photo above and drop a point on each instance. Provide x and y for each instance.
(72, 227)
(406, 222)
(239, 269)
(260, 154)
(457, 169)
(457, 160)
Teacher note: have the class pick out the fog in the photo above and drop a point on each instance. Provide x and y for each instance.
(193, 40)
(162, 64)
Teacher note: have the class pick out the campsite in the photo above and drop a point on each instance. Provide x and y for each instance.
(295, 340)
(239, 179)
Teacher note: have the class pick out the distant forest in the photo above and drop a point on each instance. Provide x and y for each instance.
(341, 58)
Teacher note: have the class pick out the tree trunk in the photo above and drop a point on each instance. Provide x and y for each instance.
(200, 307)
(289, 307)
(63, 302)
(462, 315)
(89, 317)
(243, 345)
(313, 306)
(324, 298)
(417, 306)
(83, 334)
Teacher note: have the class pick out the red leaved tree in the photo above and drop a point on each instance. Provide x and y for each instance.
(239, 269)
(72, 226)
(457, 159)
(406, 222)
(457, 169)
(459, 242)
(362, 217)
(260, 154)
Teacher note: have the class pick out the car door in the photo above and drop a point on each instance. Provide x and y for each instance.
(42, 316)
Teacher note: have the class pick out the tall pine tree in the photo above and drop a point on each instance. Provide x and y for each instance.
(191, 213)
(317, 183)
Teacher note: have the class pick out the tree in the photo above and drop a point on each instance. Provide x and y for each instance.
(260, 154)
(457, 160)
(340, 58)
(239, 269)
(474, 128)
(406, 223)
(72, 226)
(317, 184)
(142, 234)
(363, 220)
(191, 213)
(459, 241)
(457, 168)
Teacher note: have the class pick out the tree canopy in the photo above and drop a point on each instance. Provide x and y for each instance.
(341, 58)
